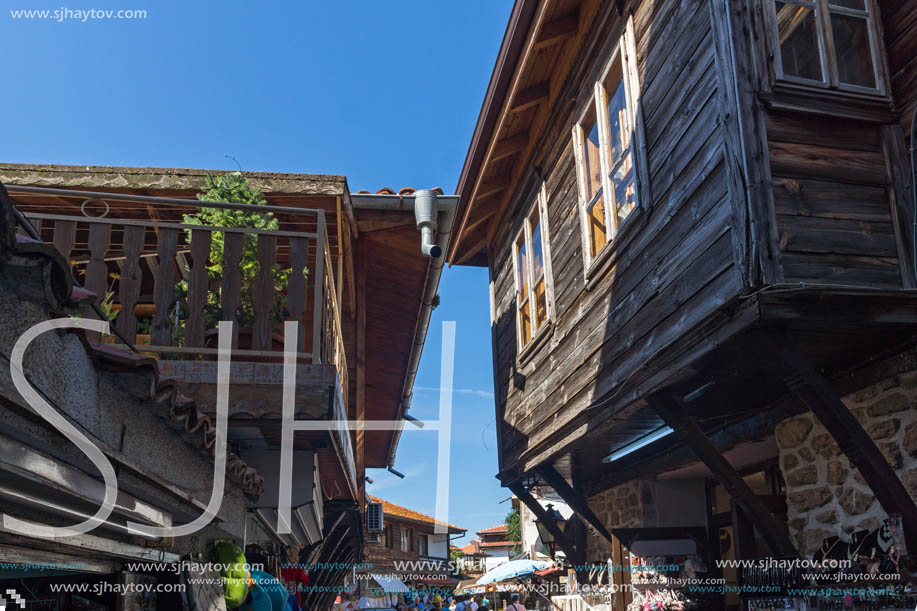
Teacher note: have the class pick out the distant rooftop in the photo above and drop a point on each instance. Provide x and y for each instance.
(392, 509)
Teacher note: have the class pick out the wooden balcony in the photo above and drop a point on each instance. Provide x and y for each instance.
(155, 279)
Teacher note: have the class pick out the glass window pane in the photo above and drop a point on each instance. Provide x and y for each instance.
(798, 41)
(522, 270)
(859, 5)
(592, 166)
(537, 251)
(618, 125)
(541, 308)
(625, 187)
(854, 57)
(596, 227)
(525, 323)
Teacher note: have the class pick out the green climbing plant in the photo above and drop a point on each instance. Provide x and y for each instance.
(236, 188)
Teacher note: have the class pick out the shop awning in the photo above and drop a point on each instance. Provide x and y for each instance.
(390, 585)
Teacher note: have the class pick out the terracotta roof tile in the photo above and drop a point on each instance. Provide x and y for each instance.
(493, 529)
(498, 543)
(391, 509)
(403, 191)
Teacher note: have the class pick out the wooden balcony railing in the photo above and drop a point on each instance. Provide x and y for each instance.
(155, 279)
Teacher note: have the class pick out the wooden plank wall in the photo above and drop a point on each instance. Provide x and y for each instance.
(899, 20)
(678, 266)
(832, 202)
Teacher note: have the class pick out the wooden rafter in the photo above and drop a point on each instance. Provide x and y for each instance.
(536, 94)
(510, 146)
(567, 53)
(557, 30)
(514, 87)
(493, 186)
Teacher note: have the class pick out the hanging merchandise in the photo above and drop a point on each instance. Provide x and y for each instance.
(233, 571)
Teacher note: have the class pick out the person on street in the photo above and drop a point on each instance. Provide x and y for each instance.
(515, 605)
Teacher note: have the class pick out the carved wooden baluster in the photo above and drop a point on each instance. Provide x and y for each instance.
(131, 277)
(296, 290)
(198, 282)
(64, 237)
(232, 281)
(97, 268)
(264, 293)
(164, 289)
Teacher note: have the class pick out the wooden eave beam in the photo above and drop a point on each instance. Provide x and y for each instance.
(853, 441)
(525, 56)
(574, 500)
(510, 146)
(536, 94)
(674, 414)
(557, 30)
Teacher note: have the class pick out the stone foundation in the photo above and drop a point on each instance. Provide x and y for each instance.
(825, 495)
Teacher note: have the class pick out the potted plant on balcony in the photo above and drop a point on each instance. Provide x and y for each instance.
(236, 188)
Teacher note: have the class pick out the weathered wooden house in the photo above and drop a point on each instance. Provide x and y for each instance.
(407, 554)
(698, 221)
(352, 269)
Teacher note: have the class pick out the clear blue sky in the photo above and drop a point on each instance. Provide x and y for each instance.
(384, 92)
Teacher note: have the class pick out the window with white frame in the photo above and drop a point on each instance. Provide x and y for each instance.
(531, 263)
(407, 534)
(827, 43)
(604, 139)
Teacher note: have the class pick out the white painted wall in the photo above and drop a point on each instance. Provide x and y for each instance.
(438, 545)
(495, 557)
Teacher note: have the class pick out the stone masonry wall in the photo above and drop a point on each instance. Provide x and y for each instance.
(826, 496)
(629, 505)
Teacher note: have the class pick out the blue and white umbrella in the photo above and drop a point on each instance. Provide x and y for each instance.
(513, 569)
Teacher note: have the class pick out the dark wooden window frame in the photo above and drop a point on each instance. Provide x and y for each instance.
(407, 536)
(423, 544)
(830, 85)
(623, 50)
(525, 349)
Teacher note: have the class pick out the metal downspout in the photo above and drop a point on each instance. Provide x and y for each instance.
(447, 206)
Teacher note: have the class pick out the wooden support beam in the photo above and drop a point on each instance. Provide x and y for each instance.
(854, 442)
(510, 146)
(566, 544)
(674, 414)
(576, 501)
(490, 187)
(556, 31)
(531, 96)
